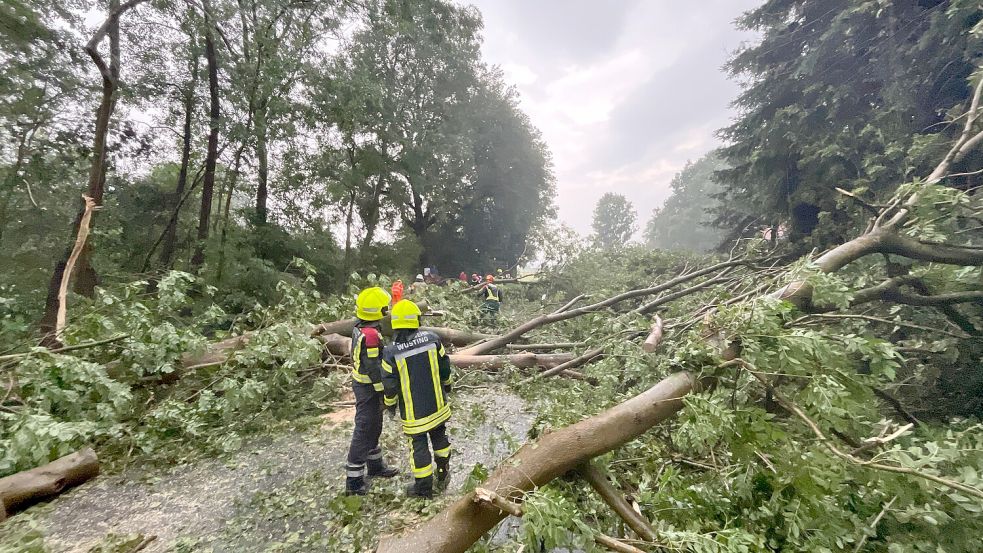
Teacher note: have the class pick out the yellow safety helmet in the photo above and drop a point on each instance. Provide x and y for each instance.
(406, 314)
(371, 303)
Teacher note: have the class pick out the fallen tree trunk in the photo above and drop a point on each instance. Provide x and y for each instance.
(345, 326)
(23, 489)
(564, 368)
(462, 523)
(543, 347)
(340, 346)
(517, 332)
(220, 352)
(519, 360)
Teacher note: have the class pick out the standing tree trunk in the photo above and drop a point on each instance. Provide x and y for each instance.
(170, 238)
(263, 174)
(97, 171)
(214, 112)
(232, 179)
(349, 217)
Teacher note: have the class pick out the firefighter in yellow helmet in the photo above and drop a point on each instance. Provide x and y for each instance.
(365, 455)
(416, 375)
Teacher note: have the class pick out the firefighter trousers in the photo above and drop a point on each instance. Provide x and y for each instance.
(368, 429)
(420, 459)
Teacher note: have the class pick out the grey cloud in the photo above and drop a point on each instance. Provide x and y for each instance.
(656, 116)
(559, 31)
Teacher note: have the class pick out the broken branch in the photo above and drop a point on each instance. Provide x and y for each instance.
(83, 233)
(599, 482)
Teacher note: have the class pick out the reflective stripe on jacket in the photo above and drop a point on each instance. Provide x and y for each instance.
(492, 293)
(415, 369)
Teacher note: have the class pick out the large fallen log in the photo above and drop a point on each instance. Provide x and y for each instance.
(340, 346)
(565, 367)
(462, 523)
(519, 360)
(220, 352)
(23, 489)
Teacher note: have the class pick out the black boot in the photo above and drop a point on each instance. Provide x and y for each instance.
(356, 486)
(421, 487)
(443, 473)
(377, 466)
(379, 469)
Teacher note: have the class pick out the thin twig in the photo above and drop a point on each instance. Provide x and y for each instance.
(873, 525)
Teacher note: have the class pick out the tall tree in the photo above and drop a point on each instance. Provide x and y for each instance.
(97, 172)
(684, 222)
(512, 186)
(842, 94)
(188, 105)
(614, 220)
(211, 157)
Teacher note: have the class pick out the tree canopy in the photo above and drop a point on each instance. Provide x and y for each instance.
(685, 221)
(843, 94)
(614, 220)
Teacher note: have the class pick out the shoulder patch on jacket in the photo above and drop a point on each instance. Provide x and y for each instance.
(371, 335)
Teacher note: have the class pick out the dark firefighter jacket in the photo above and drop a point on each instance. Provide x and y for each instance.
(367, 356)
(415, 369)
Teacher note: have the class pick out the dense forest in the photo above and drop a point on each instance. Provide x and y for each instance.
(193, 192)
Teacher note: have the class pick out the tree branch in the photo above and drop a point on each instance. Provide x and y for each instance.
(92, 47)
(599, 482)
(795, 409)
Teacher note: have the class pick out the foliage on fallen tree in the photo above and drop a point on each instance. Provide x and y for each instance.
(762, 480)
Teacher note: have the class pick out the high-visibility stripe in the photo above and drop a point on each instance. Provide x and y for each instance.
(374, 455)
(389, 401)
(426, 424)
(411, 352)
(387, 367)
(446, 452)
(359, 377)
(404, 381)
(354, 471)
(378, 386)
(435, 378)
(357, 353)
(418, 472)
(440, 350)
(372, 352)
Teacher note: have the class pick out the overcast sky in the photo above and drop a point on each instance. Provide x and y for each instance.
(625, 91)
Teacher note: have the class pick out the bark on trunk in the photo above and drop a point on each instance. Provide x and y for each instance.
(262, 155)
(25, 488)
(462, 523)
(170, 235)
(214, 113)
(520, 360)
(232, 179)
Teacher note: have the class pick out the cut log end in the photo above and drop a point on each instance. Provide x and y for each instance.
(23, 489)
(655, 336)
